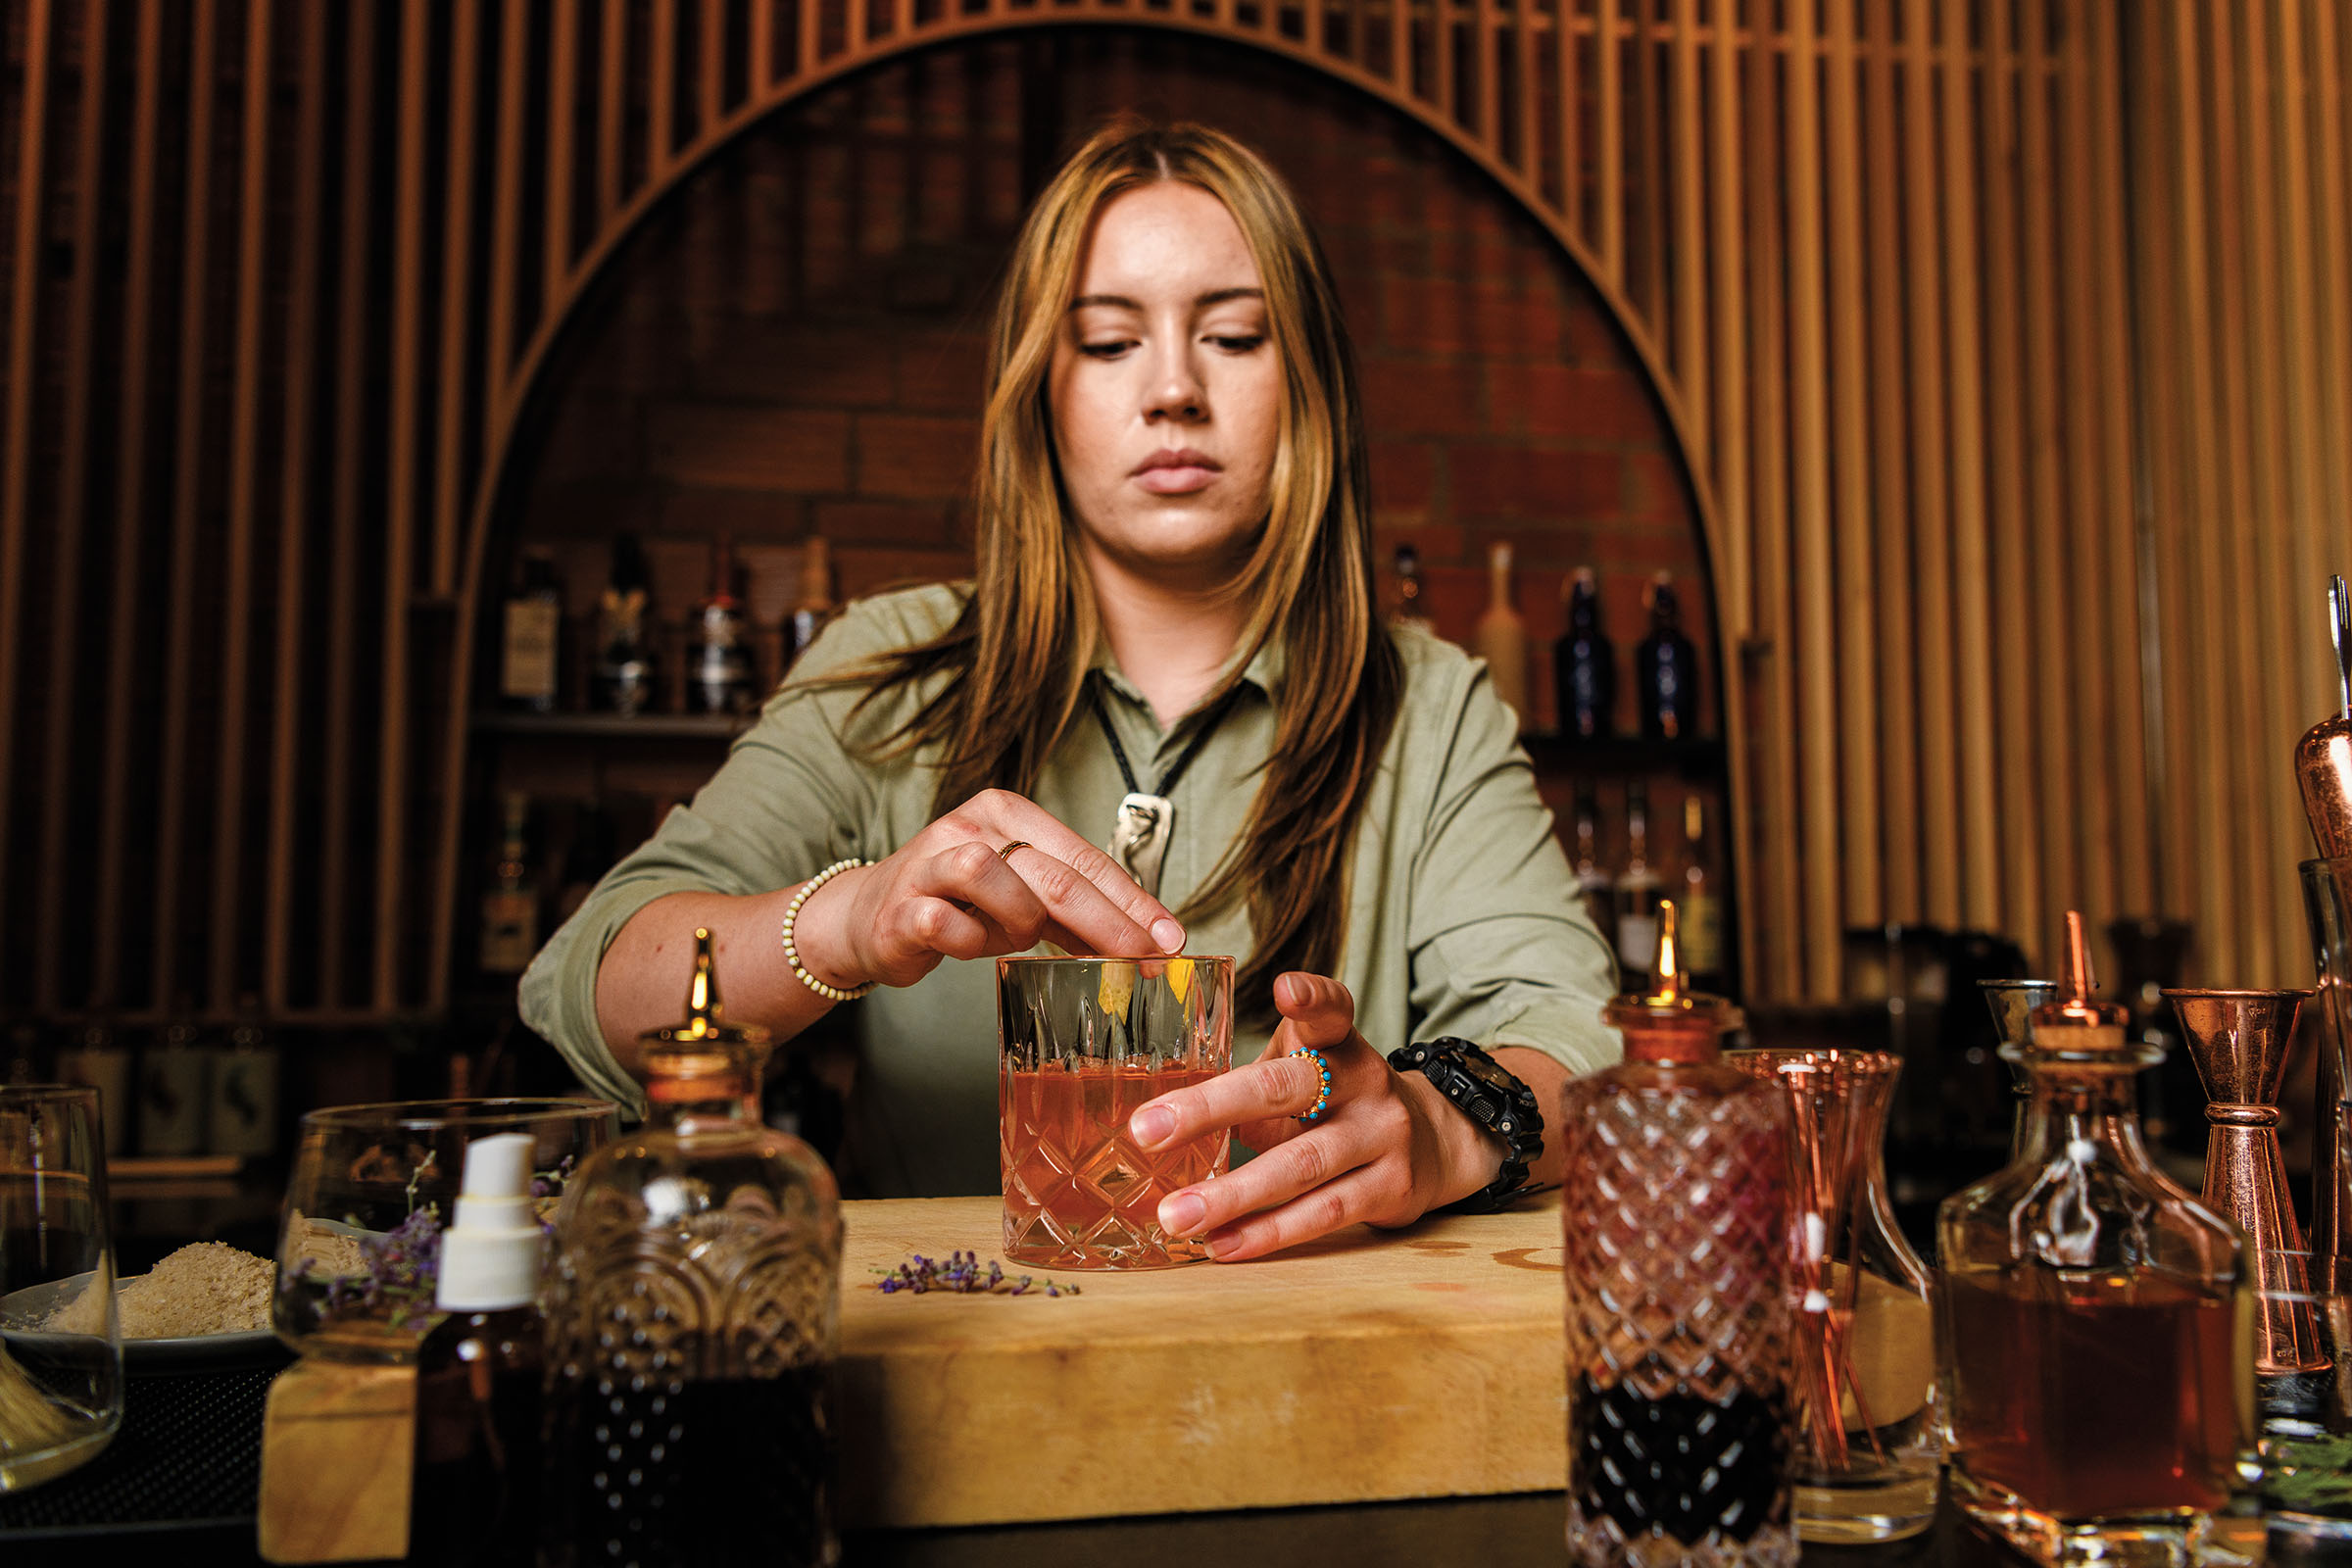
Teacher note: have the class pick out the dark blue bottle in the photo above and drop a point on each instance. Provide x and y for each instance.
(1584, 665)
(1666, 669)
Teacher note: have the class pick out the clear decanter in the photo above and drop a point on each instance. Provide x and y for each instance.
(693, 1320)
(2087, 1317)
(1675, 1192)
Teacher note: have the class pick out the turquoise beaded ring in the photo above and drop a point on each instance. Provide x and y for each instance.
(1314, 1113)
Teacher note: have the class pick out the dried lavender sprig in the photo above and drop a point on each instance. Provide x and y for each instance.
(962, 1274)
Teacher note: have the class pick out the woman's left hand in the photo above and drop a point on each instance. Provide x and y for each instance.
(1388, 1149)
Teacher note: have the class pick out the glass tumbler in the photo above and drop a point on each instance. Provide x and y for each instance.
(2305, 1448)
(359, 1247)
(1871, 1442)
(60, 1343)
(1084, 1043)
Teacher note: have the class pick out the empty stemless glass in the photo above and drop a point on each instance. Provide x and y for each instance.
(359, 1245)
(1085, 1042)
(60, 1343)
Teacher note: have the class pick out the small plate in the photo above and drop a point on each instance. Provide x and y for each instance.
(190, 1353)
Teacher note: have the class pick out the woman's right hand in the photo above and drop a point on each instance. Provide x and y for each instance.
(949, 892)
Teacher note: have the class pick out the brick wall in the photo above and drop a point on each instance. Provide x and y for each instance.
(795, 342)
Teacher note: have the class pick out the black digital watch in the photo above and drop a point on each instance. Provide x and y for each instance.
(1491, 1097)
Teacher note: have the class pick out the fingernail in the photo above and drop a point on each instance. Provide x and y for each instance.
(1151, 1125)
(1181, 1213)
(1220, 1246)
(1168, 933)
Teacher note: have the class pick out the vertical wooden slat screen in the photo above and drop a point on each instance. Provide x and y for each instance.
(2010, 342)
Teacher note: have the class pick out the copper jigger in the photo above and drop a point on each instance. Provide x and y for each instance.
(2013, 1002)
(2239, 1041)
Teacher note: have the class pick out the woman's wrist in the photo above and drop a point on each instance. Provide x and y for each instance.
(1469, 1155)
(820, 932)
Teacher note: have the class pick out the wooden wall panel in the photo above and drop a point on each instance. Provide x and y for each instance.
(2016, 521)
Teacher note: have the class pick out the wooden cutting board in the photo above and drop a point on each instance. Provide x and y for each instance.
(1425, 1362)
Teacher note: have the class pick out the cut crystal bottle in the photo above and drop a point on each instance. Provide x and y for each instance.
(2087, 1317)
(693, 1319)
(1675, 1193)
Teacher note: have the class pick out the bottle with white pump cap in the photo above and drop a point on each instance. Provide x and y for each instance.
(475, 1496)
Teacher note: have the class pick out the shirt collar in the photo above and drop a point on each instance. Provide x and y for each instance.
(1264, 670)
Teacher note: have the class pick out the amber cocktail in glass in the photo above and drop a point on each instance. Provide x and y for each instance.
(1085, 1042)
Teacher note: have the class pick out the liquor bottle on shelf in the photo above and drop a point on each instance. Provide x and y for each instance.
(1674, 1210)
(1592, 883)
(1410, 611)
(174, 1081)
(532, 637)
(718, 652)
(623, 680)
(1700, 904)
(1585, 664)
(816, 607)
(511, 908)
(96, 1058)
(1666, 669)
(1501, 635)
(586, 860)
(244, 1107)
(2089, 1316)
(1638, 888)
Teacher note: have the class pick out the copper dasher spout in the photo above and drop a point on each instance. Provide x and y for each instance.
(2239, 1041)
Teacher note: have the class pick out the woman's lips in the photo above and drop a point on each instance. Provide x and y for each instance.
(1176, 472)
(1181, 479)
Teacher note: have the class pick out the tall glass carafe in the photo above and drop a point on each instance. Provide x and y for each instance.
(1674, 1205)
(2086, 1317)
(693, 1318)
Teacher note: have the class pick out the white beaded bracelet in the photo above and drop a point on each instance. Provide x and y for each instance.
(792, 913)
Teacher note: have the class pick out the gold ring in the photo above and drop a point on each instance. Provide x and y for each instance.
(1006, 853)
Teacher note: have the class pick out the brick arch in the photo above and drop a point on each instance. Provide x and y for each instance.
(514, 392)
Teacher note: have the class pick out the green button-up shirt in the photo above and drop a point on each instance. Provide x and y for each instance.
(1463, 918)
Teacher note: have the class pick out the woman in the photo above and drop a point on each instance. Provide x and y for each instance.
(1174, 592)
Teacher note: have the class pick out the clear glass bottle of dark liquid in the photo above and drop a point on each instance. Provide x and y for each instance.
(2087, 1322)
(1674, 1205)
(473, 1497)
(1584, 665)
(1666, 669)
(624, 649)
(693, 1318)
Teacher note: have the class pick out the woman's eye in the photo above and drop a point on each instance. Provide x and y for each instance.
(1238, 345)
(1109, 350)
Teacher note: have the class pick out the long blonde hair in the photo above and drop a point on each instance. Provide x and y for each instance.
(1030, 626)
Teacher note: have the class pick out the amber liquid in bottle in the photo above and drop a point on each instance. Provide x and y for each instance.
(475, 1496)
(2088, 1314)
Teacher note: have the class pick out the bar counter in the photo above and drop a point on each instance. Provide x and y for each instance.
(1374, 1399)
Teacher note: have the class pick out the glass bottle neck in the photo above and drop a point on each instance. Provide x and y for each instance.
(701, 1101)
(2068, 1108)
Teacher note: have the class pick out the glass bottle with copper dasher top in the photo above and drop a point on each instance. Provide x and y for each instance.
(1674, 1205)
(2087, 1317)
(692, 1323)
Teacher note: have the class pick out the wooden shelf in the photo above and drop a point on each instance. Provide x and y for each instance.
(1699, 757)
(616, 726)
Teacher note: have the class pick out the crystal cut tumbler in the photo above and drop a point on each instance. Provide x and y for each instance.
(1085, 1042)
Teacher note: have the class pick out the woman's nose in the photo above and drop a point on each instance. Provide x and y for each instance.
(1176, 390)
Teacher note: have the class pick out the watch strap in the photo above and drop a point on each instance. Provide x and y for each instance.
(1510, 1113)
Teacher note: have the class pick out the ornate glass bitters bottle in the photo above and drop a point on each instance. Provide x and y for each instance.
(1681, 1415)
(692, 1323)
(2086, 1320)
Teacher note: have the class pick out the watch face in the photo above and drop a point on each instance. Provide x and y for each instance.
(1484, 1069)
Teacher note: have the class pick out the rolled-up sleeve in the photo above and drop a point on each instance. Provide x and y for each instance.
(789, 800)
(1502, 951)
